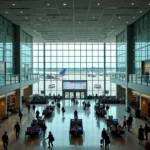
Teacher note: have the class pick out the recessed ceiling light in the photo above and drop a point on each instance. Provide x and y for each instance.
(127, 22)
(140, 11)
(132, 3)
(119, 17)
(39, 17)
(79, 22)
(148, 3)
(133, 17)
(98, 3)
(6, 12)
(93, 17)
(47, 4)
(64, 4)
(21, 12)
(67, 17)
(26, 17)
(56, 22)
(13, 4)
(112, 26)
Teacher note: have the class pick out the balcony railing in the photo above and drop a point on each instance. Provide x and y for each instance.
(140, 79)
(12, 79)
(119, 76)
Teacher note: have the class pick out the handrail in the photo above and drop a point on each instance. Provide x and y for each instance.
(15, 78)
(133, 78)
(139, 79)
(119, 76)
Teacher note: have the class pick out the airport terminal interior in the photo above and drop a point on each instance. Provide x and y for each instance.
(75, 68)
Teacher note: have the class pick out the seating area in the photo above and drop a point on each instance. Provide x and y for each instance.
(76, 127)
(37, 99)
(114, 128)
(100, 110)
(48, 111)
(36, 127)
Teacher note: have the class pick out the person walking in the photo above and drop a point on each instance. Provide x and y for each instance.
(44, 127)
(75, 113)
(107, 141)
(141, 135)
(146, 130)
(33, 108)
(63, 110)
(130, 120)
(103, 135)
(50, 139)
(17, 129)
(20, 116)
(124, 122)
(5, 140)
(28, 108)
(37, 114)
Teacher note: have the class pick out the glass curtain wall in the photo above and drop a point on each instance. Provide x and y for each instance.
(26, 53)
(141, 44)
(6, 44)
(83, 61)
(121, 52)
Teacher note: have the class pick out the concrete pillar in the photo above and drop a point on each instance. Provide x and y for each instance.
(27, 91)
(18, 102)
(3, 107)
(144, 107)
(129, 97)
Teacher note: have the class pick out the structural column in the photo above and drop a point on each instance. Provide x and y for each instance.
(18, 102)
(3, 107)
(44, 69)
(105, 68)
(129, 59)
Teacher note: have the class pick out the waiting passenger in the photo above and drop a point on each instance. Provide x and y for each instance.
(50, 139)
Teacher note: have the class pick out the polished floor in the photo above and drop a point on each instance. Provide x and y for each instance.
(59, 126)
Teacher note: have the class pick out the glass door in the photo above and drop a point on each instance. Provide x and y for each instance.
(82, 95)
(77, 94)
(66, 94)
(71, 95)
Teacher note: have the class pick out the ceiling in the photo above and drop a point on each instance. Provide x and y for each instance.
(73, 20)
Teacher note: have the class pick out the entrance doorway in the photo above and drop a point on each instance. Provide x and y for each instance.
(76, 95)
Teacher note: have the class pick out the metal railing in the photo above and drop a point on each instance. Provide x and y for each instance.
(139, 79)
(12, 79)
(29, 77)
(119, 76)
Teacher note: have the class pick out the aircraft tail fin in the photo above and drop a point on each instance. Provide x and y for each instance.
(62, 72)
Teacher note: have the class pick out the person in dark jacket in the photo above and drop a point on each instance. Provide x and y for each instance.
(103, 135)
(146, 130)
(50, 139)
(5, 140)
(33, 107)
(107, 142)
(20, 116)
(63, 110)
(37, 114)
(75, 113)
(129, 122)
(44, 127)
(28, 108)
(17, 129)
(141, 135)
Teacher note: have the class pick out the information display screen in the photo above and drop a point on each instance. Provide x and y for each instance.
(74, 85)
